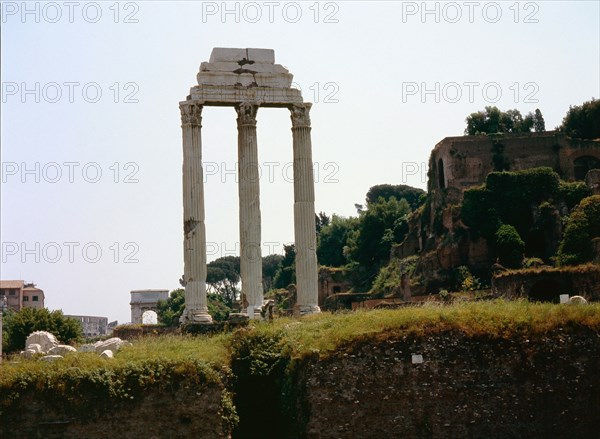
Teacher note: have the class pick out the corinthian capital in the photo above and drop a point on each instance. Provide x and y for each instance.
(300, 115)
(191, 113)
(246, 113)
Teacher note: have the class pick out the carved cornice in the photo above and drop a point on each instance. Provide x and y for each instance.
(191, 114)
(246, 113)
(300, 115)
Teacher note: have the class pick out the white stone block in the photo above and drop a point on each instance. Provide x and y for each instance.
(112, 344)
(280, 80)
(564, 298)
(107, 354)
(87, 348)
(262, 55)
(232, 67)
(227, 54)
(219, 66)
(62, 349)
(225, 79)
(28, 353)
(51, 358)
(35, 348)
(45, 339)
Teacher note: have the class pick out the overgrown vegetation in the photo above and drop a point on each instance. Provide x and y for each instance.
(526, 200)
(17, 326)
(389, 279)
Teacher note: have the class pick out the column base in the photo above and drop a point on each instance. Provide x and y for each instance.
(195, 317)
(304, 310)
(253, 313)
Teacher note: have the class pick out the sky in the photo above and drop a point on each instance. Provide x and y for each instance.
(91, 189)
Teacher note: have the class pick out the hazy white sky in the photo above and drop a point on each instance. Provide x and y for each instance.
(91, 197)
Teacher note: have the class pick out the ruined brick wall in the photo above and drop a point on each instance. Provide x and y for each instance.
(457, 163)
(534, 387)
(185, 411)
(332, 280)
(550, 283)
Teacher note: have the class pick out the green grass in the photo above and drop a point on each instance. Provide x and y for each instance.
(326, 333)
(323, 334)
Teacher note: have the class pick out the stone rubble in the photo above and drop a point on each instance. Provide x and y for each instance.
(44, 339)
(43, 342)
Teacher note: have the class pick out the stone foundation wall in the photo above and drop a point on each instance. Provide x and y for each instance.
(442, 385)
(181, 411)
(465, 387)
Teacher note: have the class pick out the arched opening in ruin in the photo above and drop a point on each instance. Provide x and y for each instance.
(149, 318)
(441, 178)
(547, 290)
(583, 164)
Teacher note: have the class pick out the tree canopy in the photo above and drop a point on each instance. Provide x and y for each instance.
(381, 225)
(414, 196)
(222, 278)
(332, 240)
(492, 120)
(286, 272)
(582, 121)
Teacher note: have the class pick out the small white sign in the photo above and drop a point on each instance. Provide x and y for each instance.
(564, 298)
(417, 359)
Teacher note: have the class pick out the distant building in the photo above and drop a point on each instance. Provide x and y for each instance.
(111, 327)
(145, 300)
(92, 326)
(20, 294)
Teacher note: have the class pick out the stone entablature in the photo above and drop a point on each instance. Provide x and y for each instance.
(233, 76)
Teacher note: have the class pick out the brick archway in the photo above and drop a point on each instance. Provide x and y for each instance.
(583, 164)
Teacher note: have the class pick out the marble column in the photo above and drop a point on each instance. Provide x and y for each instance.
(194, 243)
(249, 204)
(304, 213)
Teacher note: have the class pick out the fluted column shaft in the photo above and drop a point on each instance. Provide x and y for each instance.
(249, 208)
(194, 243)
(304, 213)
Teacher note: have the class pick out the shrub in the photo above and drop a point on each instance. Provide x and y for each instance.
(510, 246)
(18, 325)
(465, 280)
(582, 226)
(532, 262)
(573, 192)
